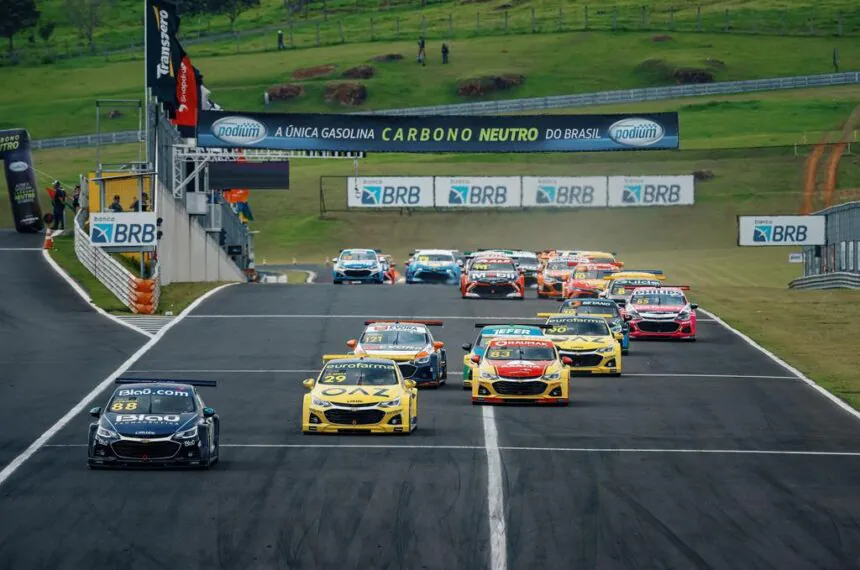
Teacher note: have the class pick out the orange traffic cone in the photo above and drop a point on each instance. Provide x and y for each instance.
(49, 241)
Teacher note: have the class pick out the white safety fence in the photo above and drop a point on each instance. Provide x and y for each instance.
(139, 295)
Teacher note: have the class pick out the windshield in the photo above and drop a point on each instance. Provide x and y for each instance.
(485, 338)
(597, 310)
(410, 338)
(665, 298)
(521, 353)
(359, 374)
(152, 401)
(526, 259)
(558, 266)
(435, 257)
(593, 273)
(601, 259)
(627, 286)
(492, 266)
(358, 256)
(577, 328)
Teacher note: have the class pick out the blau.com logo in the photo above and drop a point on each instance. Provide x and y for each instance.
(546, 195)
(102, 233)
(632, 194)
(458, 195)
(762, 233)
(370, 194)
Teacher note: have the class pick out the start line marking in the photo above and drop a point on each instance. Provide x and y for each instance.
(625, 450)
(387, 317)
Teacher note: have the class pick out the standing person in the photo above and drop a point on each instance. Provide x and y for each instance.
(59, 203)
(145, 205)
(444, 54)
(135, 205)
(115, 205)
(76, 198)
(280, 40)
(421, 53)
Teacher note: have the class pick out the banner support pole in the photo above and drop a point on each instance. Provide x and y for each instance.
(146, 77)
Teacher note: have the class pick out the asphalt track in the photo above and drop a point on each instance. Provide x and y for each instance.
(692, 460)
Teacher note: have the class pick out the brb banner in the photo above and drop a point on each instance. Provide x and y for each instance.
(388, 133)
(124, 229)
(390, 192)
(651, 191)
(564, 192)
(781, 230)
(21, 180)
(478, 192)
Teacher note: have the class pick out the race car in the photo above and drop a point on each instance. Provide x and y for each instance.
(389, 270)
(432, 266)
(620, 285)
(359, 395)
(551, 279)
(587, 341)
(599, 308)
(526, 261)
(487, 333)
(599, 257)
(661, 312)
(154, 423)
(358, 266)
(492, 278)
(521, 370)
(409, 343)
(588, 280)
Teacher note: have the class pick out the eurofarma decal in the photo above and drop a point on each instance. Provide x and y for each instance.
(457, 133)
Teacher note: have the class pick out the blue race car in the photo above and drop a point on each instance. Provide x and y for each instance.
(157, 423)
(433, 266)
(605, 308)
(358, 266)
(487, 333)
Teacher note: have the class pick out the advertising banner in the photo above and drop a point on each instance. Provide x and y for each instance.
(187, 96)
(21, 180)
(123, 229)
(478, 192)
(390, 192)
(781, 230)
(437, 133)
(162, 57)
(627, 191)
(564, 192)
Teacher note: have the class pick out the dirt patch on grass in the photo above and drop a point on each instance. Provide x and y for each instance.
(285, 92)
(359, 72)
(478, 86)
(388, 57)
(345, 93)
(313, 72)
(661, 38)
(663, 72)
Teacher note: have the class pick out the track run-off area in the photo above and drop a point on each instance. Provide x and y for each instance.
(702, 455)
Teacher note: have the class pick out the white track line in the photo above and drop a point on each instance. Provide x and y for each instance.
(797, 373)
(21, 249)
(368, 317)
(87, 299)
(312, 276)
(495, 493)
(708, 376)
(94, 393)
(625, 450)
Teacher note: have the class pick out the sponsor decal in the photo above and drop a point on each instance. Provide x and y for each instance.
(376, 392)
(240, 131)
(514, 332)
(637, 132)
(164, 65)
(149, 418)
(126, 229)
(518, 342)
(18, 166)
(355, 365)
(149, 391)
(651, 190)
(390, 195)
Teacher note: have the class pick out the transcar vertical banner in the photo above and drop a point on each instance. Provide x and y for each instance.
(383, 133)
(21, 180)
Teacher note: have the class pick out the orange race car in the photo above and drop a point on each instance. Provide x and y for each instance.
(551, 279)
(588, 280)
(599, 257)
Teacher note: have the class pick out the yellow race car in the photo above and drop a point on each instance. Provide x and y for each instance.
(521, 370)
(359, 395)
(587, 341)
(619, 286)
(605, 308)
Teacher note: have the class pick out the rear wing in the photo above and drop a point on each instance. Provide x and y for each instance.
(500, 324)
(396, 358)
(429, 323)
(657, 273)
(201, 383)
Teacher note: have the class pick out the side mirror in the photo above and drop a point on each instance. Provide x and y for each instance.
(334, 260)
(96, 412)
(208, 412)
(467, 347)
(437, 345)
(476, 359)
(627, 317)
(694, 306)
(351, 343)
(409, 383)
(308, 383)
(567, 361)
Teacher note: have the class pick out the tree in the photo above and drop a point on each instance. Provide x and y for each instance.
(85, 16)
(17, 16)
(230, 8)
(46, 30)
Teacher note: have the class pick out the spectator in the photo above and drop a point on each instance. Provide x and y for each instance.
(421, 53)
(76, 198)
(135, 205)
(280, 40)
(115, 205)
(445, 51)
(59, 203)
(145, 206)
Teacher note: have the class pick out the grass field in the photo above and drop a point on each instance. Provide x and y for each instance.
(67, 105)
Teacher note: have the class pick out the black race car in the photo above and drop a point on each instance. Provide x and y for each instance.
(158, 423)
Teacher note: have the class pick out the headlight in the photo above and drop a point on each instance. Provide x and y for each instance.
(187, 434)
(632, 313)
(485, 375)
(320, 403)
(423, 360)
(616, 326)
(552, 375)
(605, 349)
(684, 315)
(390, 403)
(106, 433)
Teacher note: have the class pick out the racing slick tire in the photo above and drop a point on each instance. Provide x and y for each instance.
(625, 351)
(615, 374)
(336, 282)
(444, 375)
(467, 375)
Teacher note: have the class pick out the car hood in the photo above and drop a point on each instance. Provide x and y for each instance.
(357, 264)
(521, 368)
(557, 274)
(492, 275)
(357, 395)
(657, 309)
(582, 342)
(148, 425)
(390, 350)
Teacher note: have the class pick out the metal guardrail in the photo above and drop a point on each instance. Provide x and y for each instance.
(836, 280)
